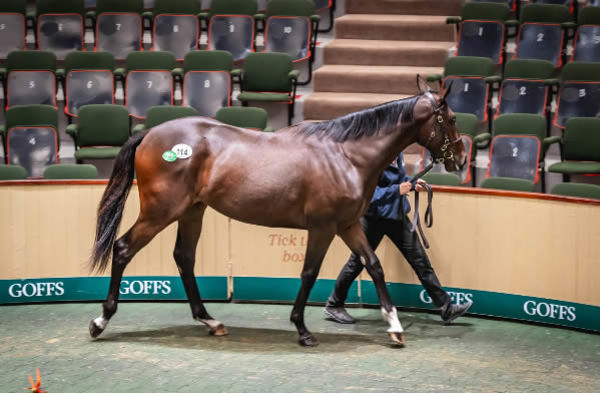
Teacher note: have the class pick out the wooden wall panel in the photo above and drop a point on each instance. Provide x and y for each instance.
(48, 231)
(277, 252)
(521, 246)
(500, 243)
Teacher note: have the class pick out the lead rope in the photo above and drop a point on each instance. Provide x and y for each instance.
(429, 211)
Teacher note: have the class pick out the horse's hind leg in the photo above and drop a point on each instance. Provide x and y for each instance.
(355, 238)
(188, 233)
(318, 243)
(144, 229)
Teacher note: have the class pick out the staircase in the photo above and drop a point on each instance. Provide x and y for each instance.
(379, 48)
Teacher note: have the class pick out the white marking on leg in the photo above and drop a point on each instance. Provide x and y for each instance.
(100, 322)
(392, 319)
(363, 260)
(211, 323)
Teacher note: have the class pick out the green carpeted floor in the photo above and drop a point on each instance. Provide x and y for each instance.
(155, 348)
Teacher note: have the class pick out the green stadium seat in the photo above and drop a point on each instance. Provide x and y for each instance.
(89, 79)
(100, 132)
(542, 32)
(12, 172)
(161, 114)
(60, 26)
(30, 78)
(176, 27)
(442, 179)
(524, 124)
(508, 183)
(118, 26)
(269, 77)
(470, 78)
(231, 26)
(580, 148)
(579, 94)
(206, 81)
(520, 124)
(526, 87)
(481, 30)
(467, 124)
(328, 6)
(30, 136)
(512, 4)
(13, 18)
(586, 46)
(572, 5)
(148, 81)
(71, 171)
(244, 117)
(292, 27)
(580, 190)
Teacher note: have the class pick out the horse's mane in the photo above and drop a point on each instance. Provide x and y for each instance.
(367, 122)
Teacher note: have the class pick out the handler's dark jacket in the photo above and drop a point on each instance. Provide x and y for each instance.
(386, 198)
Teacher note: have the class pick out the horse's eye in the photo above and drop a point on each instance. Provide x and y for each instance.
(453, 120)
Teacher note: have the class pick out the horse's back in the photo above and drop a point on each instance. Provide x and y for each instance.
(252, 176)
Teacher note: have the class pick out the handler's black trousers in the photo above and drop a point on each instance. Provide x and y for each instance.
(407, 242)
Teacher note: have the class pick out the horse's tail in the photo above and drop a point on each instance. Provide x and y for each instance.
(110, 210)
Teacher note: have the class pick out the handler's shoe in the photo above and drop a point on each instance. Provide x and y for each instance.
(452, 311)
(338, 314)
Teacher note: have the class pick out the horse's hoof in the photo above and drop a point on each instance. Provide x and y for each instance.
(398, 339)
(220, 330)
(308, 341)
(95, 331)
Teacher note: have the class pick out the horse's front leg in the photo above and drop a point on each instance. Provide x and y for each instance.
(319, 240)
(355, 238)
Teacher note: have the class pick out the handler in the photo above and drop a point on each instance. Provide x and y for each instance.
(387, 215)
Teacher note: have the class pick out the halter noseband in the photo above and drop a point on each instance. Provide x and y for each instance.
(447, 154)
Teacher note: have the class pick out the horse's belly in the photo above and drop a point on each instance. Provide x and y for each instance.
(267, 206)
(261, 214)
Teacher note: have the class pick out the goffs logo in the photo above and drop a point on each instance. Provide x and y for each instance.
(549, 310)
(457, 297)
(145, 287)
(37, 289)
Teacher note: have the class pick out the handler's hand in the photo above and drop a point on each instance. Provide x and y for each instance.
(405, 188)
(420, 186)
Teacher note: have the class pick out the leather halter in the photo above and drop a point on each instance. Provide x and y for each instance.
(447, 154)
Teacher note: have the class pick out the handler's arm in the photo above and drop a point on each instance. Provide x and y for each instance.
(385, 195)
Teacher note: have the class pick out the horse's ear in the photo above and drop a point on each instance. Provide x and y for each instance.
(447, 91)
(422, 85)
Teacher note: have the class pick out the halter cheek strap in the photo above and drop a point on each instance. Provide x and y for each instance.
(446, 155)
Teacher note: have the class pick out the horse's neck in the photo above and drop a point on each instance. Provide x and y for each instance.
(371, 155)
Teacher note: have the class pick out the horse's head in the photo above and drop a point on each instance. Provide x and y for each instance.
(438, 131)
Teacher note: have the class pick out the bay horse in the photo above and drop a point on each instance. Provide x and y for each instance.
(318, 176)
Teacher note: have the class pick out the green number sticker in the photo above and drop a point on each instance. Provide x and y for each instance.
(169, 156)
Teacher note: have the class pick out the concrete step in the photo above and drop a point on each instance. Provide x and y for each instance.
(370, 79)
(376, 52)
(327, 105)
(404, 7)
(394, 27)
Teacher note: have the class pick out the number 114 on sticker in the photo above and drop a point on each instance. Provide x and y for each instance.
(182, 150)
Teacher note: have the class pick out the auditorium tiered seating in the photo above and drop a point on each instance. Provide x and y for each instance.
(510, 60)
